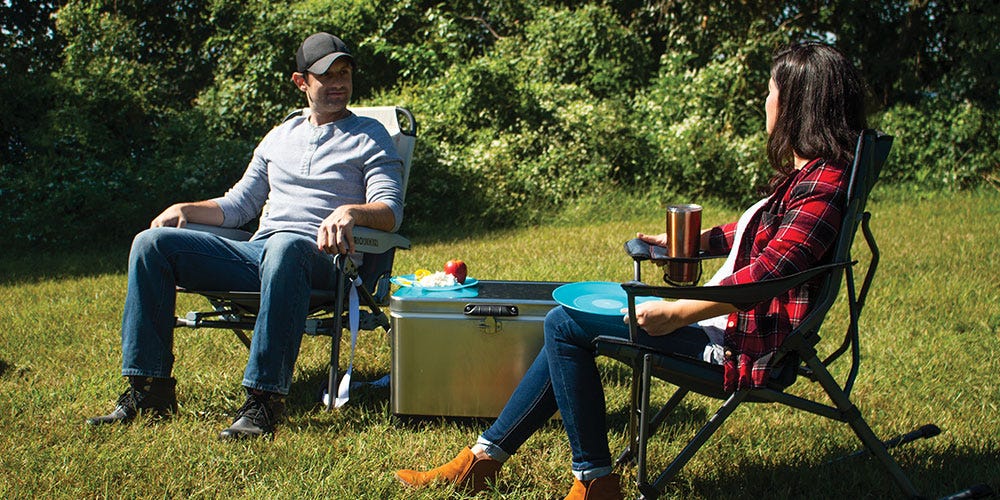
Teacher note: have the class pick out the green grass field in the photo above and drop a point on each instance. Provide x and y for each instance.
(931, 354)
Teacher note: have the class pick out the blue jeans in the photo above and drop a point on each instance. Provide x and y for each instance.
(564, 376)
(283, 268)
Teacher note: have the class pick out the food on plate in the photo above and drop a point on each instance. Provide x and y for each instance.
(456, 268)
(437, 279)
(421, 274)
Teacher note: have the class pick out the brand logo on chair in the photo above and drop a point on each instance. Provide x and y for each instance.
(366, 241)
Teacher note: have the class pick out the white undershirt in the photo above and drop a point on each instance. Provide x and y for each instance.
(715, 327)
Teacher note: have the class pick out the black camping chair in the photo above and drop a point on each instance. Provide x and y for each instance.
(796, 357)
(237, 311)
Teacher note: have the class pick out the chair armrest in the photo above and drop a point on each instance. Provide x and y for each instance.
(640, 250)
(738, 295)
(368, 240)
(225, 232)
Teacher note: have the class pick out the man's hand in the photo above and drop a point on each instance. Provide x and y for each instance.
(173, 216)
(335, 233)
(180, 214)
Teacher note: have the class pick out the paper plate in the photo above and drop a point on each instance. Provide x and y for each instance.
(409, 280)
(603, 298)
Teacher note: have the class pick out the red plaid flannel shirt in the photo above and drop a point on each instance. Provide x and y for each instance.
(792, 232)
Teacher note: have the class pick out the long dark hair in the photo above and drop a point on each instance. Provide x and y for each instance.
(821, 107)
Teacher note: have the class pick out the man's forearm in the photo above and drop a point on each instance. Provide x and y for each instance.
(375, 215)
(204, 212)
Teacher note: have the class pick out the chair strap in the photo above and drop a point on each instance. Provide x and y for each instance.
(353, 319)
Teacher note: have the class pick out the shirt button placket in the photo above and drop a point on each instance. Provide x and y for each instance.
(311, 151)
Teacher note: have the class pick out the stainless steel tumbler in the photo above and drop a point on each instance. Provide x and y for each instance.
(684, 238)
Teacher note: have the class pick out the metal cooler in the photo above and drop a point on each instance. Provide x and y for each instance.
(461, 353)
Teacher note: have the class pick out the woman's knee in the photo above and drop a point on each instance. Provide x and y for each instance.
(558, 326)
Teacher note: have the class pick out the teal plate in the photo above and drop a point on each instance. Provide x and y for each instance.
(603, 298)
(409, 280)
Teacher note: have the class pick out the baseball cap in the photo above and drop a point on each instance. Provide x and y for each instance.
(318, 52)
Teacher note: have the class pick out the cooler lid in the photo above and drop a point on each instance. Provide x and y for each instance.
(412, 299)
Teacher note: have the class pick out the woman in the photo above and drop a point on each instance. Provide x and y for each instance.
(814, 113)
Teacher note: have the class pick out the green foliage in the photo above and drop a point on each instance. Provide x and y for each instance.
(253, 52)
(706, 142)
(27, 43)
(587, 46)
(943, 144)
(517, 133)
(126, 106)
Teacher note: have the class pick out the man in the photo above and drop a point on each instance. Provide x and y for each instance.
(321, 172)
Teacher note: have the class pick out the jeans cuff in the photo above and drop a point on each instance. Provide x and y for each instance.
(145, 373)
(495, 452)
(589, 474)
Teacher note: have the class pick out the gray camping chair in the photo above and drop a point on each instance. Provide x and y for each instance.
(796, 358)
(237, 311)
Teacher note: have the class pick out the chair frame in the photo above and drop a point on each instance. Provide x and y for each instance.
(237, 311)
(797, 356)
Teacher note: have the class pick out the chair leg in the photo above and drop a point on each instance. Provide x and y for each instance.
(852, 415)
(649, 425)
(243, 337)
(643, 420)
(628, 454)
(699, 439)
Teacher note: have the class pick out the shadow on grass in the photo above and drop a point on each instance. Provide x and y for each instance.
(26, 265)
(948, 474)
(31, 267)
(305, 394)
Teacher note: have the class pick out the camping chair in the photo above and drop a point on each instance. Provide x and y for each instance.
(237, 311)
(797, 356)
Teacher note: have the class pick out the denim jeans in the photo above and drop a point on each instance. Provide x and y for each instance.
(564, 376)
(283, 268)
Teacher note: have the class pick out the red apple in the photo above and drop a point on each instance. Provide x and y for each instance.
(456, 268)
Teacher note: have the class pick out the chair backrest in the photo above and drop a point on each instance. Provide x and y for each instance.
(402, 127)
(870, 154)
(376, 268)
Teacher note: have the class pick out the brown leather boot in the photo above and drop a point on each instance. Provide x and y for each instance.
(467, 470)
(602, 488)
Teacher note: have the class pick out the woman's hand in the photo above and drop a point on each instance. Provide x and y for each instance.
(658, 240)
(659, 317)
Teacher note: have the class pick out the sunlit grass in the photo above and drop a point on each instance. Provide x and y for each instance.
(931, 333)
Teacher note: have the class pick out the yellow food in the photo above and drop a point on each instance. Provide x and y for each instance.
(421, 273)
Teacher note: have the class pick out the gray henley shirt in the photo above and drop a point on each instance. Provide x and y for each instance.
(304, 172)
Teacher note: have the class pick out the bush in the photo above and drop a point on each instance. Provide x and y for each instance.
(705, 142)
(523, 105)
(941, 143)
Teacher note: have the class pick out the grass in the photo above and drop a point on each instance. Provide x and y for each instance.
(930, 355)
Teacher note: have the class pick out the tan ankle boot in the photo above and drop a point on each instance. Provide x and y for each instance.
(602, 488)
(466, 470)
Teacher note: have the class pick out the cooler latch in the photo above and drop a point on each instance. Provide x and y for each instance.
(494, 310)
(489, 314)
